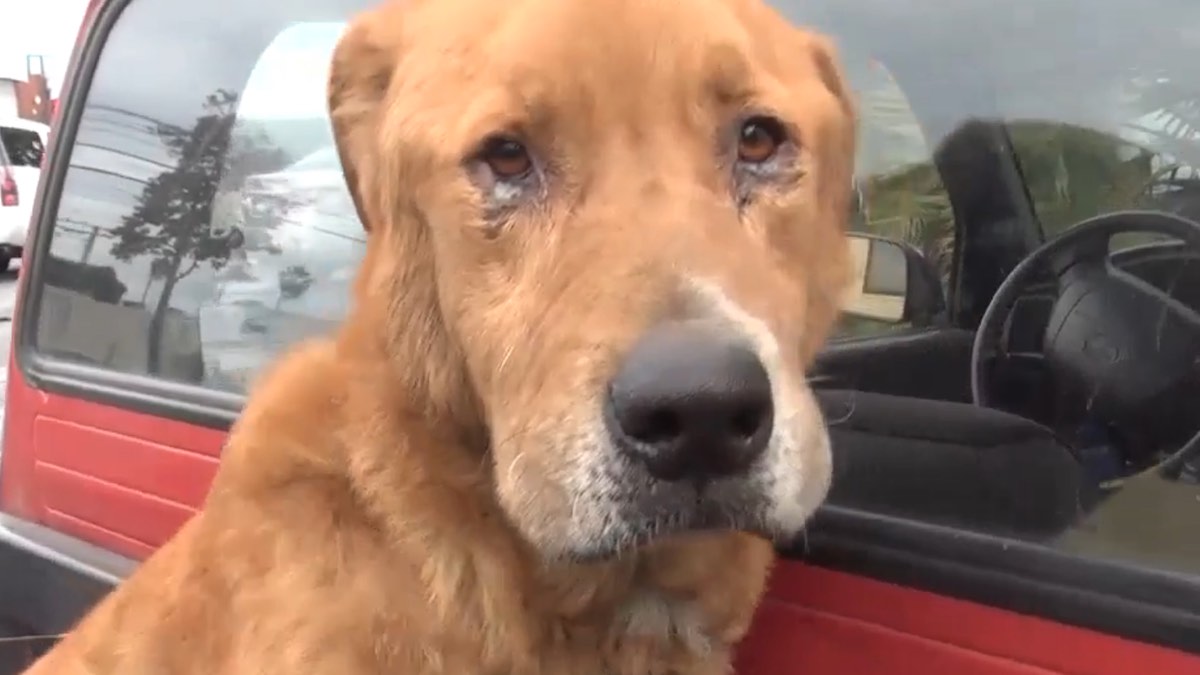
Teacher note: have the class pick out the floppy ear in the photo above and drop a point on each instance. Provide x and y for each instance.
(834, 189)
(841, 169)
(359, 77)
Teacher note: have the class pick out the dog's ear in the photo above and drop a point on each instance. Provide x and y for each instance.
(359, 77)
(834, 189)
(829, 69)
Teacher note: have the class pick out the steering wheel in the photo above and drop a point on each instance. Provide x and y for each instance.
(1116, 337)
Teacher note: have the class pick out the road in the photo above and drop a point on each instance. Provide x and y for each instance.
(8, 296)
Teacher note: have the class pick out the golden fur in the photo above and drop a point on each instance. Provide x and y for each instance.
(398, 499)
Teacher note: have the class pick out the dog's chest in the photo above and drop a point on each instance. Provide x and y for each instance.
(652, 616)
(649, 634)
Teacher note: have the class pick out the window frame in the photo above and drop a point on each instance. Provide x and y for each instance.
(1113, 597)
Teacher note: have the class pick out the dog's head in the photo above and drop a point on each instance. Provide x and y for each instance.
(615, 228)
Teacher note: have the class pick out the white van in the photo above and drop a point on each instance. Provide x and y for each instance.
(22, 146)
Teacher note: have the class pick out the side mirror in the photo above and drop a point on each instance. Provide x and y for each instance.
(891, 282)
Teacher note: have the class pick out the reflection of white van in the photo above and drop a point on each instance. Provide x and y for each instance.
(22, 146)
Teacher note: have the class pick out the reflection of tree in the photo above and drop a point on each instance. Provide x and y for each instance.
(1071, 172)
(294, 281)
(172, 224)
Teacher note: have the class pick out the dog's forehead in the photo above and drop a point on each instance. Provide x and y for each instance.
(717, 42)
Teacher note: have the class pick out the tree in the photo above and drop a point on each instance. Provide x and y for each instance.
(172, 223)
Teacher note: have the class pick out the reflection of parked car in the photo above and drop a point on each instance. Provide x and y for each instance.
(298, 220)
(267, 197)
(22, 145)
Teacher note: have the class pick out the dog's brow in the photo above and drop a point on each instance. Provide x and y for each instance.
(728, 74)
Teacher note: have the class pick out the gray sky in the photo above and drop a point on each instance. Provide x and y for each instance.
(46, 27)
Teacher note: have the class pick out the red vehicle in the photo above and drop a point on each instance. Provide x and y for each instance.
(1013, 396)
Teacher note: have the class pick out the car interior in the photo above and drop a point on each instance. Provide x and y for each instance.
(1054, 372)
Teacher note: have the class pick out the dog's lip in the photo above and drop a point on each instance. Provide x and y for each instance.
(725, 504)
(645, 533)
(671, 511)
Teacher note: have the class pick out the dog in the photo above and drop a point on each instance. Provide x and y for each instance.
(567, 414)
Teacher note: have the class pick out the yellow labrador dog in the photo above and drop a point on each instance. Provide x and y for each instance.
(568, 411)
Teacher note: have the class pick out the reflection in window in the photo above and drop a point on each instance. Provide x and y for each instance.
(199, 234)
(898, 190)
(1041, 116)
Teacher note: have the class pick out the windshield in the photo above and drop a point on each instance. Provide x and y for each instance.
(22, 147)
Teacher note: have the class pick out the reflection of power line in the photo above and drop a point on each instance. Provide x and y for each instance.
(106, 172)
(112, 131)
(125, 134)
(129, 113)
(143, 131)
(82, 227)
(122, 153)
(339, 235)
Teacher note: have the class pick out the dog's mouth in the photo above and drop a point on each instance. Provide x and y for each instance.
(653, 511)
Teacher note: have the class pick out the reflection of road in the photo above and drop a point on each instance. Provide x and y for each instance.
(8, 296)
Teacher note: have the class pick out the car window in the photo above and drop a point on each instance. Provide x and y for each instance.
(1048, 117)
(203, 227)
(22, 147)
(204, 223)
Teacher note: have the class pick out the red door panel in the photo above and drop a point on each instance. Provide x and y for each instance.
(122, 480)
(140, 516)
(108, 456)
(821, 622)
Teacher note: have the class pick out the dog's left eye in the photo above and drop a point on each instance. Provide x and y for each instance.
(508, 159)
(759, 139)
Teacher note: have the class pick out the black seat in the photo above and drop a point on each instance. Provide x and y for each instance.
(953, 464)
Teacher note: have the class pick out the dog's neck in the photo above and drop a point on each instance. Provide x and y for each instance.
(425, 492)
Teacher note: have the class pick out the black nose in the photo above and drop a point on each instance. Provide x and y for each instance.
(689, 402)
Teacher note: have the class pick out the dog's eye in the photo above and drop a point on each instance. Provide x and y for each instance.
(759, 139)
(508, 159)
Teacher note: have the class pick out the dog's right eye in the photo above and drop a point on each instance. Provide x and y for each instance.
(507, 158)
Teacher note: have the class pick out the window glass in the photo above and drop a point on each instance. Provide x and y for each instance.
(23, 147)
(1019, 120)
(899, 193)
(204, 223)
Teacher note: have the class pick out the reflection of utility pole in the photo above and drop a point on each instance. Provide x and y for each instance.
(91, 243)
(146, 289)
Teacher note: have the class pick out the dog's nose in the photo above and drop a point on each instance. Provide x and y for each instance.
(689, 402)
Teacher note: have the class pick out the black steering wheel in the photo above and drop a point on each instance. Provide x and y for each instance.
(1121, 340)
